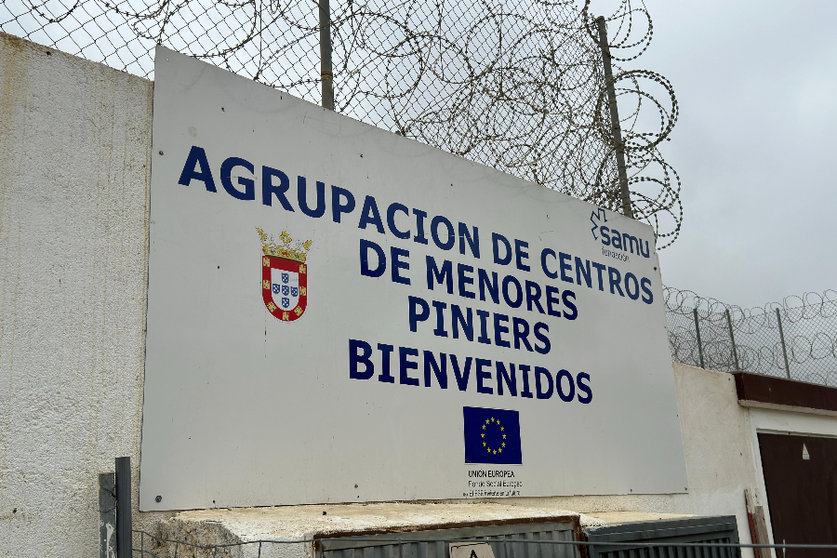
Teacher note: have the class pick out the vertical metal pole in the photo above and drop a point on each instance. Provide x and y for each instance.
(697, 330)
(732, 340)
(784, 347)
(107, 516)
(326, 75)
(123, 507)
(619, 145)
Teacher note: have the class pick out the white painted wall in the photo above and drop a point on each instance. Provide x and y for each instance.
(74, 156)
(74, 153)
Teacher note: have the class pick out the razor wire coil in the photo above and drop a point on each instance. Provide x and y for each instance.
(806, 323)
(516, 85)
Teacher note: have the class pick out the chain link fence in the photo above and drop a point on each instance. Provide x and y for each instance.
(794, 339)
(516, 85)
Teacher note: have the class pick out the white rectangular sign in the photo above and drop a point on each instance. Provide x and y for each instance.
(336, 313)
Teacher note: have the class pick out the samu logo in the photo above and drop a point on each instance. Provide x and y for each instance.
(612, 238)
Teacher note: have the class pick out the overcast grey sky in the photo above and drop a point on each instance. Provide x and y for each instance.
(754, 145)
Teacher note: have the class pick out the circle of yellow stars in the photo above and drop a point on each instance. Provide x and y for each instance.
(490, 449)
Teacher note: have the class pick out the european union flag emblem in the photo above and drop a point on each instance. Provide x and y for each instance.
(492, 436)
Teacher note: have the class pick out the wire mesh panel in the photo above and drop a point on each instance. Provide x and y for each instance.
(516, 85)
(509, 84)
(795, 339)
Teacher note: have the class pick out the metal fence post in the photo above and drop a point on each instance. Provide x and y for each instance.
(326, 74)
(784, 347)
(123, 507)
(732, 340)
(616, 130)
(107, 516)
(697, 331)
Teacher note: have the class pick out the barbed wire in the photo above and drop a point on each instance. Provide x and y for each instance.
(516, 85)
(795, 338)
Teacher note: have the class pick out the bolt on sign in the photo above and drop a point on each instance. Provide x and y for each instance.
(337, 313)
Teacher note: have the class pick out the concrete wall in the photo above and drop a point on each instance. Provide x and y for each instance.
(74, 170)
(74, 175)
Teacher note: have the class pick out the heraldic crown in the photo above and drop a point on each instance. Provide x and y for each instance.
(296, 251)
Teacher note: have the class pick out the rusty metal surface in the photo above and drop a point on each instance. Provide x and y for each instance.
(757, 388)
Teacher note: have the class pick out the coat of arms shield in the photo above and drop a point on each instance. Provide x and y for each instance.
(284, 276)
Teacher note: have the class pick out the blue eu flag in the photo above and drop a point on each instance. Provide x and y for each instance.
(492, 436)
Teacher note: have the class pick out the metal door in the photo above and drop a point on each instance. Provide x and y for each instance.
(800, 474)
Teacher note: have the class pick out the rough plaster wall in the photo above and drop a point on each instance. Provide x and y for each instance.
(717, 438)
(74, 170)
